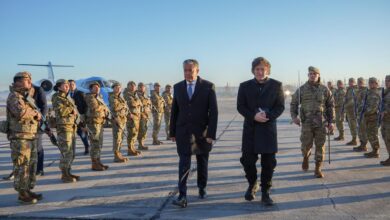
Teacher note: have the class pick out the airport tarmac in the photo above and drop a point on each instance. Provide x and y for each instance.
(353, 188)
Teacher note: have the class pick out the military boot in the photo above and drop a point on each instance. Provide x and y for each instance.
(131, 151)
(157, 142)
(251, 191)
(318, 173)
(26, 198)
(352, 142)
(141, 146)
(373, 154)
(118, 158)
(74, 176)
(101, 164)
(361, 148)
(37, 196)
(96, 165)
(340, 137)
(385, 162)
(66, 178)
(305, 163)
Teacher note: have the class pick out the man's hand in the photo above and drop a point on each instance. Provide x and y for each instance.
(209, 140)
(296, 121)
(330, 127)
(261, 117)
(39, 116)
(173, 139)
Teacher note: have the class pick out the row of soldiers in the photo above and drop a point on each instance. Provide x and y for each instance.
(129, 111)
(316, 107)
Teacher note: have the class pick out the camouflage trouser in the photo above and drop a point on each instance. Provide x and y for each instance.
(132, 128)
(143, 128)
(385, 130)
(310, 134)
(339, 121)
(167, 119)
(95, 139)
(352, 121)
(372, 130)
(24, 158)
(117, 133)
(67, 146)
(362, 132)
(157, 118)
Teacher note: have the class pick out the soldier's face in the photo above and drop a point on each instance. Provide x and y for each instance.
(72, 86)
(141, 89)
(340, 85)
(190, 72)
(373, 85)
(313, 76)
(351, 83)
(95, 89)
(360, 83)
(132, 88)
(387, 82)
(117, 89)
(167, 89)
(330, 85)
(64, 87)
(24, 83)
(157, 88)
(261, 72)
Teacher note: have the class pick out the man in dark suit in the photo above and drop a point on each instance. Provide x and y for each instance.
(40, 99)
(261, 102)
(78, 97)
(193, 127)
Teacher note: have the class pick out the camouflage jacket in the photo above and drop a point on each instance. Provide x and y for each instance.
(118, 107)
(65, 110)
(386, 106)
(96, 109)
(157, 102)
(372, 103)
(168, 98)
(360, 95)
(22, 117)
(339, 96)
(316, 104)
(146, 105)
(133, 102)
(350, 96)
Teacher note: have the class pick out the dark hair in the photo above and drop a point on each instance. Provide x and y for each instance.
(71, 80)
(261, 60)
(17, 79)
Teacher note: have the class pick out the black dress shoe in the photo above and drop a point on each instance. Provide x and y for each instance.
(86, 152)
(266, 200)
(40, 173)
(202, 194)
(180, 201)
(251, 191)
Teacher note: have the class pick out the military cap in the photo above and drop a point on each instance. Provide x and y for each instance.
(339, 81)
(141, 84)
(314, 69)
(131, 83)
(168, 86)
(373, 80)
(94, 83)
(61, 81)
(115, 84)
(156, 84)
(351, 80)
(23, 74)
(361, 79)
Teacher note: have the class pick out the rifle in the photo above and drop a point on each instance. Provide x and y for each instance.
(381, 107)
(328, 134)
(43, 124)
(363, 110)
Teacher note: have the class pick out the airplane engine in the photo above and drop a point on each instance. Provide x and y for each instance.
(46, 85)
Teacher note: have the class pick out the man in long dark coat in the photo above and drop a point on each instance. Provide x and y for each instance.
(261, 102)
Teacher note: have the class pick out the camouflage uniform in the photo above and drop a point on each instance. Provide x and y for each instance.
(95, 118)
(119, 111)
(134, 104)
(157, 111)
(168, 98)
(371, 120)
(143, 125)
(350, 111)
(23, 127)
(316, 110)
(385, 124)
(339, 99)
(362, 130)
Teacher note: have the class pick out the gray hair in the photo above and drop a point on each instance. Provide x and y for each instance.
(191, 61)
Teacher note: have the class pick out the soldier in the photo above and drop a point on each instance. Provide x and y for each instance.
(145, 110)
(339, 99)
(385, 123)
(333, 91)
(97, 112)
(362, 131)
(157, 111)
(23, 121)
(119, 111)
(316, 102)
(370, 110)
(168, 98)
(133, 118)
(67, 118)
(349, 107)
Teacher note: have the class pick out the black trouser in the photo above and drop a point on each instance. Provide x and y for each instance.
(41, 153)
(268, 164)
(83, 139)
(184, 170)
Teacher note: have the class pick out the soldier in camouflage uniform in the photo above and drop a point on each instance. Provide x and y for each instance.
(361, 125)
(119, 112)
(339, 99)
(133, 118)
(23, 121)
(168, 98)
(97, 113)
(385, 123)
(333, 91)
(67, 118)
(145, 110)
(316, 113)
(371, 114)
(349, 107)
(157, 111)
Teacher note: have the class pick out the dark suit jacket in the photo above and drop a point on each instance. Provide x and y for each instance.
(260, 137)
(79, 100)
(40, 99)
(197, 116)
